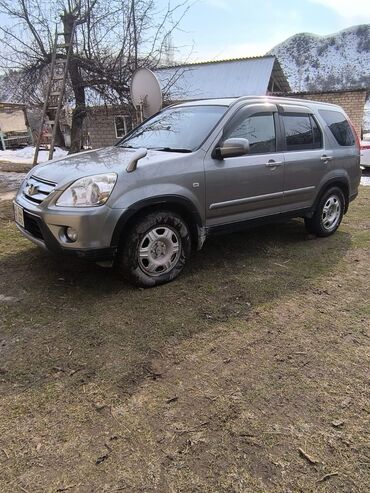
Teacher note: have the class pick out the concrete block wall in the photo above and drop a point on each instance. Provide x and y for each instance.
(100, 124)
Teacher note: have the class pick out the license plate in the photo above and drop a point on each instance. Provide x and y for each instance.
(18, 215)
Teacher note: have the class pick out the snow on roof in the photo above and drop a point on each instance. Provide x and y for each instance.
(224, 78)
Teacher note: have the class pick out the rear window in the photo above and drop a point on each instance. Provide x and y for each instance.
(339, 127)
(301, 132)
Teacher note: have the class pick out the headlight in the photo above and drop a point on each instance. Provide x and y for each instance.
(89, 191)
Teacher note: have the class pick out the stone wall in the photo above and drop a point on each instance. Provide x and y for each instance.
(353, 103)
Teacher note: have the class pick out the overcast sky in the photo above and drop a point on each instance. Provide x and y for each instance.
(220, 29)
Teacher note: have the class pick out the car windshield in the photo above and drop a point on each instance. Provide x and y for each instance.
(177, 129)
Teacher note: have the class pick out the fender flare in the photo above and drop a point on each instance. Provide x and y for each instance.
(181, 204)
(339, 180)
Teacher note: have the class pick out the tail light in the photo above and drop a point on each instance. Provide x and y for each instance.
(364, 147)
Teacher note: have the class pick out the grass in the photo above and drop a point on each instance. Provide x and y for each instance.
(209, 384)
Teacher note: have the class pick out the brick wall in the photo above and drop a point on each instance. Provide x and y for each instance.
(101, 129)
(99, 125)
(353, 103)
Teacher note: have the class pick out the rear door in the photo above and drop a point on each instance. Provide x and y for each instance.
(304, 156)
(344, 145)
(249, 186)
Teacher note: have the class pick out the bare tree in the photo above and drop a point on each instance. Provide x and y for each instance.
(113, 38)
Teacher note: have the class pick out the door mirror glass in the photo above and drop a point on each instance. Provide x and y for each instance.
(232, 148)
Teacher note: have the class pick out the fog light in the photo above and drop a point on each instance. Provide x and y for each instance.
(71, 234)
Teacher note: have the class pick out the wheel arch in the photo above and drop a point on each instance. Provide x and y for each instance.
(340, 182)
(180, 205)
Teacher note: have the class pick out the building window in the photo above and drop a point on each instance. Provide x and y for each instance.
(122, 125)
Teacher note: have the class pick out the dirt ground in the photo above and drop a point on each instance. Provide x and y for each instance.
(249, 374)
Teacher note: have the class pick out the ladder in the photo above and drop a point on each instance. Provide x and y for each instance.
(55, 90)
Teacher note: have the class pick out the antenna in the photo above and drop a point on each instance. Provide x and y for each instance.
(146, 93)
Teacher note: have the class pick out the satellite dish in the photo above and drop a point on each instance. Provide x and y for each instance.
(146, 92)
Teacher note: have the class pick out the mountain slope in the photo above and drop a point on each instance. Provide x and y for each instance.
(337, 61)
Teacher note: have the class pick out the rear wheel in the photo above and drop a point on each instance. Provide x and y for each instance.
(328, 214)
(156, 249)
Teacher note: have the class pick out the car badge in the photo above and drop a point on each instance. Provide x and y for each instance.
(32, 189)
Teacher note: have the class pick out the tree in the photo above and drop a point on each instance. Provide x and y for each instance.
(113, 38)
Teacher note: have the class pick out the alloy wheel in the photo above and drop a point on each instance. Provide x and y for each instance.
(331, 212)
(159, 250)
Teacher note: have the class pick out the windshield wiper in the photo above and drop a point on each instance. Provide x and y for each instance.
(171, 149)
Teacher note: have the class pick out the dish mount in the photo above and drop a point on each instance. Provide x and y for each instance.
(146, 94)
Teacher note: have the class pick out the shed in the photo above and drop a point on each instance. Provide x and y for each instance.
(14, 128)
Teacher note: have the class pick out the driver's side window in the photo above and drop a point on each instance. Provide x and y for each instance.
(259, 129)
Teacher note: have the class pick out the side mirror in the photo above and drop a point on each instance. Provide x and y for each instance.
(232, 148)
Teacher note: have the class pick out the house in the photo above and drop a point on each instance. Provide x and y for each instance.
(14, 125)
(225, 78)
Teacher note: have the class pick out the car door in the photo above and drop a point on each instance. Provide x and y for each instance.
(304, 156)
(249, 186)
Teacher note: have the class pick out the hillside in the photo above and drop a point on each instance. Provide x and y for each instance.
(336, 61)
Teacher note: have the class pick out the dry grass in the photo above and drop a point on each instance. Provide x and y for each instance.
(210, 384)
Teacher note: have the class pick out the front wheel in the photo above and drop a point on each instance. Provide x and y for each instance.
(328, 213)
(156, 249)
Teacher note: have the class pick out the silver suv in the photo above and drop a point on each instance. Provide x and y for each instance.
(193, 170)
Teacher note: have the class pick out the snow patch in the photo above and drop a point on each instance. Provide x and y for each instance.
(25, 155)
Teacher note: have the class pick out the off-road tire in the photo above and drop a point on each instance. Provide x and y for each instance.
(319, 223)
(129, 261)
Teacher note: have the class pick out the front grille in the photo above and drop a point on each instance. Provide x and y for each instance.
(36, 190)
(31, 225)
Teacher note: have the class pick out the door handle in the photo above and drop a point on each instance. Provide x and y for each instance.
(326, 158)
(273, 164)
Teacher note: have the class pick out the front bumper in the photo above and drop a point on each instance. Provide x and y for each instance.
(46, 228)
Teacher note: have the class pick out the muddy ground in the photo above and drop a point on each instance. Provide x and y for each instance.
(248, 374)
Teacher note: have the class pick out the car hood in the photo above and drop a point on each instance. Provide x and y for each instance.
(110, 159)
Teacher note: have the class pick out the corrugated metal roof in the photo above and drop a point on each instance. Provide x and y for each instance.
(225, 78)
(207, 62)
(206, 102)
